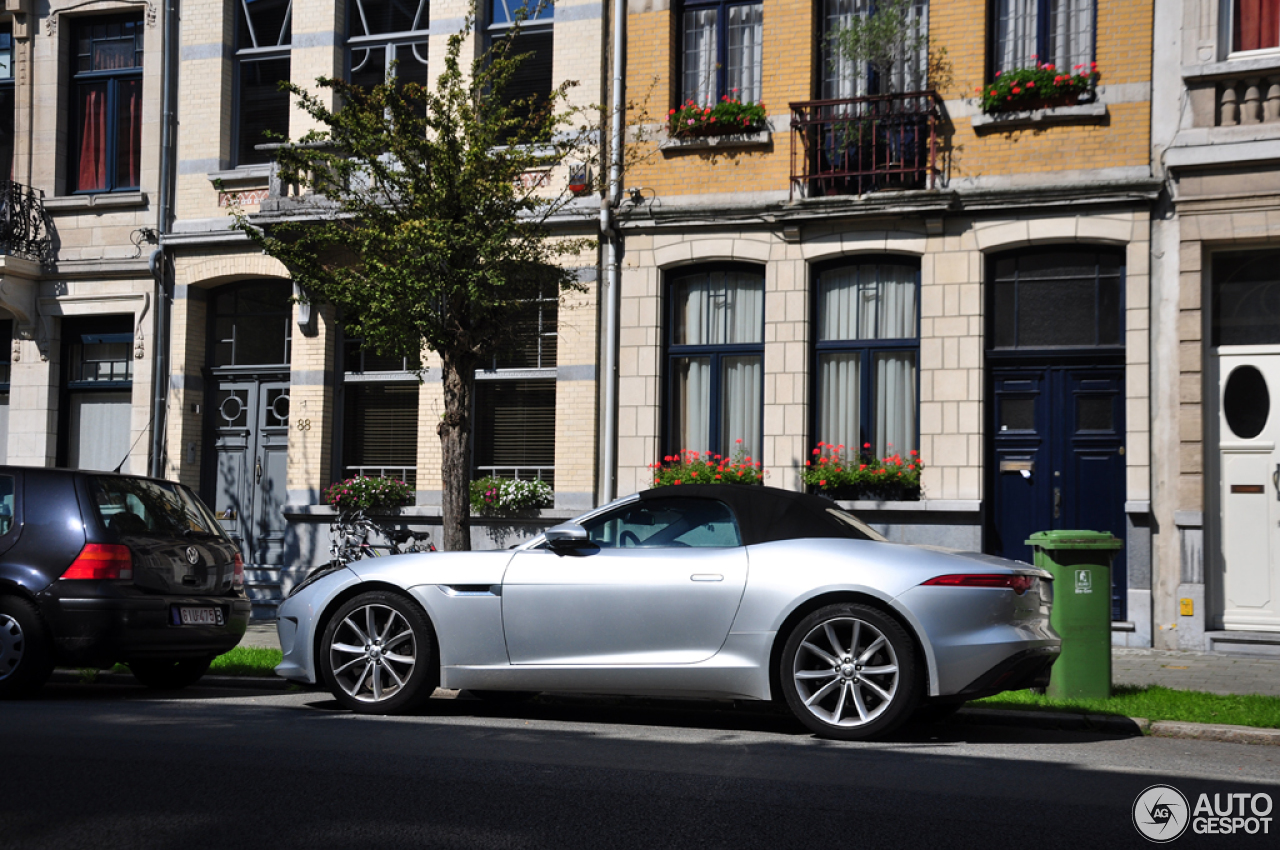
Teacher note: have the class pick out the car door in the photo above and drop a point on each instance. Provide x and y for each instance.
(659, 584)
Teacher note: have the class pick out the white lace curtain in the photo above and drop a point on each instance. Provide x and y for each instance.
(1070, 29)
(700, 47)
(744, 56)
(843, 78)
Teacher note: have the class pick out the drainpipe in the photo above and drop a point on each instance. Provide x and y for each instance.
(159, 261)
(612, 276)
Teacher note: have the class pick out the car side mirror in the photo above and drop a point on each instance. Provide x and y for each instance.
(566, 536)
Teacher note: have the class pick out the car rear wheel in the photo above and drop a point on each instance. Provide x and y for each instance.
(169, 674)
(26, 658)
(377, 654)
(848, 672)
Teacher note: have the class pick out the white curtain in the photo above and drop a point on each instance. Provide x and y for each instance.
(719, 308)
(692, 402)
(99, 437)
(699, 57)
(1016, 23)
(1070, 34)
(911, 73)
(895, 383)
(867, 302)
(745, 54)
(741, 386)
(841, 78)
(840, 391)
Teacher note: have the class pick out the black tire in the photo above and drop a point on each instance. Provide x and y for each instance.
(377, 654)
(26, 653)
(169, 674)
(935, 712)
(504, 697)
(848, 672)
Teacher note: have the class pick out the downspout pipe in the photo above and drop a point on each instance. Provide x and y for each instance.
(158, 262)
(612, 275)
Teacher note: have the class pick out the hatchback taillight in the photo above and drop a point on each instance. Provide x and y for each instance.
(1018, 584)
(101, 560)
(237, 577)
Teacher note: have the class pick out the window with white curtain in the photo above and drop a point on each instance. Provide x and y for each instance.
(842, 78)
(715, 361)
(722, 54)
(1028, 33)
(866, 354)
(98, 364)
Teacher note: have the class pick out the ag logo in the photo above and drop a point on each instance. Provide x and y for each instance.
(1160, 813)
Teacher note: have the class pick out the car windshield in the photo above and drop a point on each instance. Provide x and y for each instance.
(139, 506)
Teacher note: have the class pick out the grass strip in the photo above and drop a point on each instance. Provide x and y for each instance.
(1154, 703)
(246, 661)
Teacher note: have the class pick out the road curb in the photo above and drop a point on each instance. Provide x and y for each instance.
(1112, 724)
(259, 683)
(1215, 732)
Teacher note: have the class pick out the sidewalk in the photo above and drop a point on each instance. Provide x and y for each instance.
(1216, 673)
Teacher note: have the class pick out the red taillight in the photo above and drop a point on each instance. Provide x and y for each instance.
(101, 560)
(1018, 584)
(237, 577)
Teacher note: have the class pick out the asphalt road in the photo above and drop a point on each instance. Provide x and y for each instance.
(106, 766)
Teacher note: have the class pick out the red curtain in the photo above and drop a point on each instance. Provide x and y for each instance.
(93, 139)
(1257, 24)
(128, 131)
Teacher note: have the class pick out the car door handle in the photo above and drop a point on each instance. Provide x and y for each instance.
(706, 577)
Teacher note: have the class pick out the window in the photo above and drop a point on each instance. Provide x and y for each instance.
(536, 37)
(6, 104)
(252, 324)
(98, 391)
(263, 36)
(1246, 298)
(721, 51)
(107, 104)
(1255, 24)
(1051, 298)
(842, 79)
(515, 400)
(715, 362)
(380, 414)
(1030, 32)
(867, 349)
(666, 523)
(383, 32)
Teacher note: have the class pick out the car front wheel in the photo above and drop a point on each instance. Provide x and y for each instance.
(848, 671)
(26, 658)
(377, 654)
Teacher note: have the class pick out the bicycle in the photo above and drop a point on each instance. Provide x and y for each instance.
(349, 539)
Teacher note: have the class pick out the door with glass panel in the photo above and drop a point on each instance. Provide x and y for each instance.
(715, 362)
(867, 344)
(247, 424)
(1246, 342)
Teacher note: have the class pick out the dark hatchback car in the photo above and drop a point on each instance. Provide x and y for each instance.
(98, 568)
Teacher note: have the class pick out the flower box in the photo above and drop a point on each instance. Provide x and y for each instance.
(728, 117)
(1040, 87)
(862, 476)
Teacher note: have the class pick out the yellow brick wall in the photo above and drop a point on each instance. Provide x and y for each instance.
(1123, 56)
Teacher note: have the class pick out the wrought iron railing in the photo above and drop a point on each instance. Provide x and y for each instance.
(407, 474)
(520, 473)
(24, 225)
(857, 145)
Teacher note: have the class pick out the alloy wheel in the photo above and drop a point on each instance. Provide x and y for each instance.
(373, 653)
(846, 672)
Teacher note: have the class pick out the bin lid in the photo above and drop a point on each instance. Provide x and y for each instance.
(1075, 539)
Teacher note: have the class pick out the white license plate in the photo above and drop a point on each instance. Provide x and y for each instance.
(200, 616)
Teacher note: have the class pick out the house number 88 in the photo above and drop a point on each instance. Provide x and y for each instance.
(304, 424)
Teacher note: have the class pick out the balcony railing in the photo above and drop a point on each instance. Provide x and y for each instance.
(857, 145)
(24, 226)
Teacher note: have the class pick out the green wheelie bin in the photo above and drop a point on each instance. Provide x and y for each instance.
(1081, 565)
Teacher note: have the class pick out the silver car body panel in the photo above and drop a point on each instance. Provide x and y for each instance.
(691, 622)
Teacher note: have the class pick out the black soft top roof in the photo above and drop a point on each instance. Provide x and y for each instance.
(766, 514)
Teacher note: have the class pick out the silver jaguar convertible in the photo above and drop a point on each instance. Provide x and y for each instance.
(716, 591)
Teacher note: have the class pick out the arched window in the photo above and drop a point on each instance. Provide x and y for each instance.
(251, 324)
(715, 360)
(867, 349)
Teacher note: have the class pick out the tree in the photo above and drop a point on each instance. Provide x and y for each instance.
(883, 40)
(425, 229)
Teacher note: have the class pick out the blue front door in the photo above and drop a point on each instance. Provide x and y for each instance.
(1056, 455)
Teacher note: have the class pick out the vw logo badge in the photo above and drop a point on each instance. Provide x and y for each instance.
(193, 556)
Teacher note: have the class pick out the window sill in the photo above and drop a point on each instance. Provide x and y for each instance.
(925, 505)
(245, 175)
(112, 200)
(758, 139)
(1084, 113)
(1237, 65)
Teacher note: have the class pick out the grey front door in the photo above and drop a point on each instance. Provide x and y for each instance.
(250, 442)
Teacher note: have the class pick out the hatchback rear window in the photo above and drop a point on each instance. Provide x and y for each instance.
(138, 506)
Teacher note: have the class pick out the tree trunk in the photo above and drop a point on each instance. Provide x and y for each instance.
(455, 446)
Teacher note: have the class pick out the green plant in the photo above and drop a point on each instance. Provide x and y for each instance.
(690, 467)
(862, 475)
(368, 493)
(495, 495)
(1155, 703)
(728, 116)
(1030, 88)
(246, 661)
